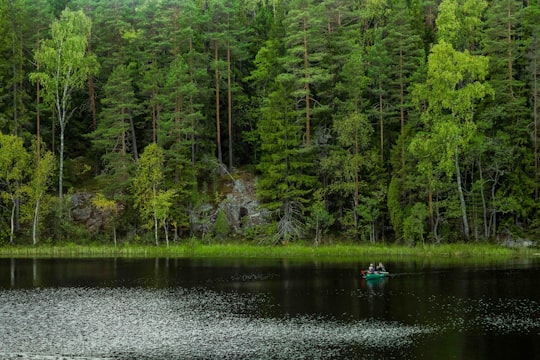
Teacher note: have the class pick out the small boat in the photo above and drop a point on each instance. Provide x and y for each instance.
(376, 275)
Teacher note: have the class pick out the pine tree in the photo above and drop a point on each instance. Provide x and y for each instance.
(353, 133)
(191, 46)
(13, 95)
(533, 74)
(41, 13)
(175, 134)
(286, 181)
(507, 112)
(407, 58)
(304, 26)
(502, 45)
(115, 137)
(380, 65)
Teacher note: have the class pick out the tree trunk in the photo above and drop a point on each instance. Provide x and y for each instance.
(218, 130)
(92, 97)
(156, 229)
(191, 107)
(402, 107)
(430, 205)
(123, 146)
(134, 138)
(356, 176)
(307, 88)
(229, 105)
(35, 222)
(61, 168)
(92, 90)
(317, 232)
(155, 113)
(463, 205)
(12, 223)
(509, 41)
(484, 205)
(381, 124)
(166, 232)
(38, 120)
(534, 91)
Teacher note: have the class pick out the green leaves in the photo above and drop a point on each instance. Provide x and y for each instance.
(153, 201)
(459, 20)
(454, 83)
(64, 62)
(14, 167)
(64, 68)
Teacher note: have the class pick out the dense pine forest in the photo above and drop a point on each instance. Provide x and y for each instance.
(368, 120)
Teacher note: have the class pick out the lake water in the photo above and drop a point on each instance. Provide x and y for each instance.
(267, 309)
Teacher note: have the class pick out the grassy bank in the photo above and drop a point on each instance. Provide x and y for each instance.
(255, 251)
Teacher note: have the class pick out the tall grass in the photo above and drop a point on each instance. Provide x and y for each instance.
(195, 249)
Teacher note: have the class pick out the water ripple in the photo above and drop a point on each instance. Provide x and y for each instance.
(119, 323)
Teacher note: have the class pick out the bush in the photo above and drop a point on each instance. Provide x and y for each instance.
(221, 226)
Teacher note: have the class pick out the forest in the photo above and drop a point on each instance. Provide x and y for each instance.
(374, 121)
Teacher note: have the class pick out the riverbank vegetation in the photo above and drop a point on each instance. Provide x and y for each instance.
(344, 252)
(273, 122)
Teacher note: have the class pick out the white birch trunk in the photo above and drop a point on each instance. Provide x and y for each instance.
(462, 198)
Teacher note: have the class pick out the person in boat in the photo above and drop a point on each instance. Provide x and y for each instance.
(380, 267)
(371, 269)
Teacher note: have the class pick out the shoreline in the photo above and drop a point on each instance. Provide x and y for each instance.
(340, 251)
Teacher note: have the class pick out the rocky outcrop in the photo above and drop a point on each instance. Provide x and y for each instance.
(240, 203)
(517, 243)
(83, 212)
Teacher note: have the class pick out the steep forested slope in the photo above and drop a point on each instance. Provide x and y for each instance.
(372, 120)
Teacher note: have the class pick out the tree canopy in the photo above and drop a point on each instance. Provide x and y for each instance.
(367, 120)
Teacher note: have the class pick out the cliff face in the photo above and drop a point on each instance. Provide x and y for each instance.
(239, 203)
(83, 212)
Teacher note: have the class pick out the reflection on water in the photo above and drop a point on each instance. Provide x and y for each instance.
(139, 323)
(274, 309)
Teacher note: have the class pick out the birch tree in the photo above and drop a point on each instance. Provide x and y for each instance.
(14, 166)
(44, 166)
(152, 200)
(64, 68)
(454, 85)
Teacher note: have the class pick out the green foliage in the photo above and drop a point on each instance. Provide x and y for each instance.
(153, 201)
(319, 221)
(221, 226)
(454, 86)
(115, 136)
(64, 66)
(109, 208)
(454, 254)
(14, 167)
(287, 167)
(39, 199)
(395, 209)
(314, 95)
(414, 224)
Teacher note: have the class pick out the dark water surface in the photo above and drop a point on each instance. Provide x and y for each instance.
(266, 309)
